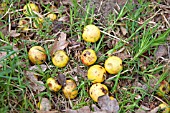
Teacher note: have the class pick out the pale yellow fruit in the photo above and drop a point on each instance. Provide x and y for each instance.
(38, 22)
(52, 16)
(113, 65)
(165, 108)
(29, 8)
(91, 33)
(53, 85)
(24, 25)
(37, 55)
(97, 90)
(70, 90)
(60, 59)
(164, 88)
(88, 57)
(3, 8)
(96, 74)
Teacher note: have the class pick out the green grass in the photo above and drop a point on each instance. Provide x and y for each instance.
(141, 42)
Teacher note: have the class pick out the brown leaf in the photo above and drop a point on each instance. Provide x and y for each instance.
(84, 109)
(62, 79)
(142, 109)
(71, 111)
(37, 68)
(68, 2)
(162, 51)
(14, 34)
(155, 110)
(39, 86)
(31, 75)
(95, 108)
(64, 19)
(123, 30)
(45, 104)
(59, 43)
(2, 54)
(106, 104)
(40, 111)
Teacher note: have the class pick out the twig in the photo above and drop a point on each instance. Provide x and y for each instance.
(120, 73)
(6, 12)
(165, 19)
(158, 99)
(114, 36)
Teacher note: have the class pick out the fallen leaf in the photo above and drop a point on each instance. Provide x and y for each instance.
(102, 112)
(59, 43)
(14, 34)
(123, 55)
(45, 104)
(71, 111)
(30, 75)
(38, 86)
(40, 111)
(64, 19)
(37, 68)
(161, 51)
(95, 108)
(62, 79)
(155, 110)
(142, 109)
(108, 105)
(84, 109)
(33, 79)
(57, 26)
(68, 2)
(123, 30)
(2, 54)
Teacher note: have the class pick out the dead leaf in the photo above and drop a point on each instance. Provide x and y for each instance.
(95, 108)
(40, 111)
(108, 105)
(45, 104)
(142, 109)
(71, 111)
(2, 54)
(162, 51)
(84, 109)
(37, 68)
(38, 86)
(124, 55)
(59, 43)
(64, 19)
(62, 79)
(14, 34)
(123, 30)
(33, 79)
(30, 75)
(155, 110)
(68, 2)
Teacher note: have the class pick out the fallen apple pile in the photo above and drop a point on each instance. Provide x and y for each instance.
(96, 73)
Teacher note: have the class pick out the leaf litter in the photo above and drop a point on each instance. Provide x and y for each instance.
(106, 105)
(44, 104)
(35, 84)
(61, 79)
(60, 43)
